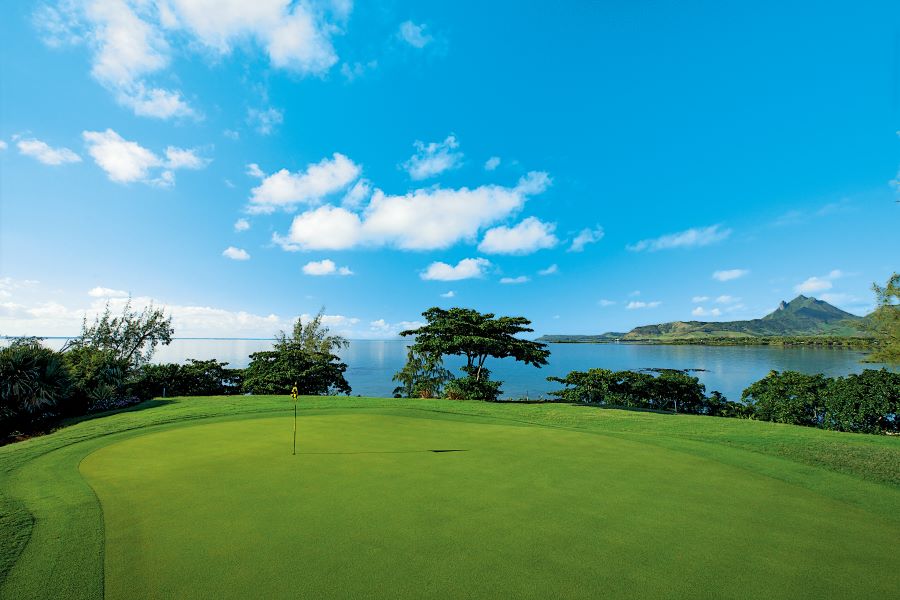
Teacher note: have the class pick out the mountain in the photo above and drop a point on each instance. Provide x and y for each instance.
(801, 317)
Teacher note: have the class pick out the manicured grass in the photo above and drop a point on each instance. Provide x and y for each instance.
(200, 497)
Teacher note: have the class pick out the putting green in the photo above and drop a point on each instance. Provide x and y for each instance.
(221, 509)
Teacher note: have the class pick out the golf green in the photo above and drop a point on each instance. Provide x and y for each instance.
(368, 508)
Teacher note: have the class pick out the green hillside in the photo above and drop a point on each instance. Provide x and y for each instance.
(801, 317)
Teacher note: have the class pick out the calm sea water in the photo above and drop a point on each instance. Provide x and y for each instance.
(728, 369)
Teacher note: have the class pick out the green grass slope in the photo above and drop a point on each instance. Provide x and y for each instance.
(200, 497)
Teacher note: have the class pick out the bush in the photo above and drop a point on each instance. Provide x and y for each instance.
(33, 382)
(788, 397)
(98, 378)
(194, 378)
(276, 371)
(864, 403)
(471, 387)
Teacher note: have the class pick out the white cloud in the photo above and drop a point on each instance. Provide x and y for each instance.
(697, 299)
(635, 304)
(604, 302)
(467, 268)
(551, 270)
(725, 299)
(286, 190)
(492, 163)
(586, 236)
(357, 195)
(818, 284)
(634, 293)
(702, 312)
(241, 225)
(414, 34)
(46, 154)
(182, 158)
(103, 292)
(515, 280)
(264, 120)
(352, 71)
(132, 42)
(426, 219)
(125, 161)
(729, 274)
(529, 236)
(325, 228)
(3, 145)
(231, 134)
(449, 294)
(433, 159)
(253, 170)
(235, 253)
(325, 267)
(684, 239)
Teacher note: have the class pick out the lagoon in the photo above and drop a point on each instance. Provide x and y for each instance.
(728, 369)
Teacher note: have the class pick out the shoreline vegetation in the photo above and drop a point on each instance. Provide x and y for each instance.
(817, 341)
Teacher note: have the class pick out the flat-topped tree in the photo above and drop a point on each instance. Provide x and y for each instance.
(477, 336)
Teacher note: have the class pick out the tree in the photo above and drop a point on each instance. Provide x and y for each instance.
(593, 386)
(788, 397)
(129, 339)
(276, 371)
(679, 390)
(477, 336)
(311, 337)
(885, 321)
(423, 376)
(864, 403)
(33, 380)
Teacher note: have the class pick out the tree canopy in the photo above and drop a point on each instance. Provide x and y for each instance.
(886, 321)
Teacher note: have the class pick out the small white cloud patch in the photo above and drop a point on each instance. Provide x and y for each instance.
(492, 163)
(551, 270)
(467, 268)
(325, 267)
(235, 253)
(688, 238)
(529, 236)
(104, 292)
(586, 236)
(729, 274)
(46, 154)
(636, 304)
(241, 225)
(433, 159)
(515, 280)
(414, 34)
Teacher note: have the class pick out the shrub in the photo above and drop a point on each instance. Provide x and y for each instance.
(473, 387)
(33, 381)
(864, 403)
(788, 397)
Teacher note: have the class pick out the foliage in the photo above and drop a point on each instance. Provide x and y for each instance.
(670, 390)
(423, 376)
(277, 371)
(129, 340)
(99, 376)
(477, 336)
(864, 403)
(788, 397)
(33, 380)
(194, 378)
(312, 337)
(885, 321)
(473, 386)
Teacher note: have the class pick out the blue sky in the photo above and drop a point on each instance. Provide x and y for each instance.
(593, 167)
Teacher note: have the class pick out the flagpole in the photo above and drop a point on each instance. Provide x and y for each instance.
(294, 397)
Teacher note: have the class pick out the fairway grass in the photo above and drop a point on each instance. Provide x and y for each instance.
(201, 497)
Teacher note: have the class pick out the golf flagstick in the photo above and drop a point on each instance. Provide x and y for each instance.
(294, 397)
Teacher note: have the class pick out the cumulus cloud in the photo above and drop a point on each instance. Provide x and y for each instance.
(433, 159)
(702, 312)
(285, 190)
(467, 268)
(46, 154)
(235, 253)
(529, 236)
(586, 236)
(125, 161)
(241, 225)
(551, 270)
(132, 42)
(425, 219)
(636, 304)
(729, 274)
(818, 284)
(264, 121)
(688, 238)
(325, 267)
(492, 163)
(105, 292)
(414, 34)
(514, 280)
